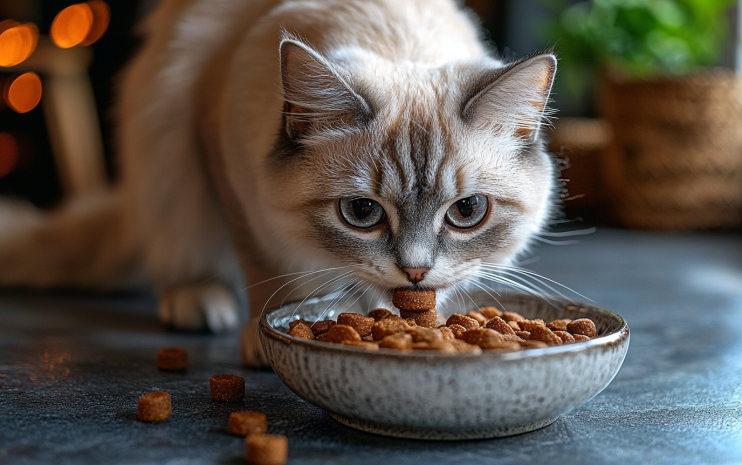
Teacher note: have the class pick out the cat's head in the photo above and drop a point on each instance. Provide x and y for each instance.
(414, 173)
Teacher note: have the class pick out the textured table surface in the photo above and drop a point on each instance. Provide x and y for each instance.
(73, 365)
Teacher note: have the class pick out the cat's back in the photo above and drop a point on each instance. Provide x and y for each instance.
(422, 31)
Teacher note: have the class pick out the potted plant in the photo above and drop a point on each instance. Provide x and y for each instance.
(674, 160)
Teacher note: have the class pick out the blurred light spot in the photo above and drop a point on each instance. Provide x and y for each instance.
(72, 25)
(17, 42)
(101, 16)
(24, 92)
(8, 153)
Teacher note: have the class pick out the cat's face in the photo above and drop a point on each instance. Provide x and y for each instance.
(429, 170)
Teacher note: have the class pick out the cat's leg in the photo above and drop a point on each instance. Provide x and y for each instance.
(213, 305)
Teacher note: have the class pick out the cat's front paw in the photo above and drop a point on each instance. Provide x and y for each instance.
(251, 351)
(210, 306)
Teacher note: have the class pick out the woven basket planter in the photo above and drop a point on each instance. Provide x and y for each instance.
(675, 158)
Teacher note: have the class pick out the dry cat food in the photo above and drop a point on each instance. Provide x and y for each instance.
(247, 423)
(227, 388)
(266, 449)
(154, 407)
(172, 359)
(418, 328)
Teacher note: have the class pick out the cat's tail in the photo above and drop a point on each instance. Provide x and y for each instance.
(85, 243)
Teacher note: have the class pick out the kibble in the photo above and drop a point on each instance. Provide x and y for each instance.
(227, 388)
(301, 331)
(583, 327)
(387, 327)
(246, 423)
(322, 327)
(172, 359)
(485, 329)
(266, 449)
(398, 341)
(499, 325)
(462, 320)
(414, 300)
(343, 333)
(154, 407)
(479, 316)
(362, 324)
(426, 319)
(380, 314)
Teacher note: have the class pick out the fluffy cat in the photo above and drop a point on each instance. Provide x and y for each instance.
(379, 140)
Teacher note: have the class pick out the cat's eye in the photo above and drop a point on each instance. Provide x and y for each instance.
(468, 212)
(361, 213)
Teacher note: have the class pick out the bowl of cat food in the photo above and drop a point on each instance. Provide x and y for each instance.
(467, 370)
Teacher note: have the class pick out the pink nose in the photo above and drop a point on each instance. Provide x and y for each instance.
(416, 274)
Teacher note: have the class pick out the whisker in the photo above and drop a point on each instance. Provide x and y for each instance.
(578, 232)
(548, 241)
(306, 273)
(349, 287)
(536, 276)
(513, 284)
(528, 283)
(319, 288)
(479, 285)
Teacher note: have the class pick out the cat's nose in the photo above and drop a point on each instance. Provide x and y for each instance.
(415, 274)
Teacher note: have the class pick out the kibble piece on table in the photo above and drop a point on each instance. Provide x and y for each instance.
(266, 449)
(246, 423)
(414, 300)
(301, 331)
(154, 407)
(227, 388)
(583, 327)
(172, 359)
(426, 319)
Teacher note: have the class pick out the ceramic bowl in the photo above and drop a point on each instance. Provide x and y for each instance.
(428, 395)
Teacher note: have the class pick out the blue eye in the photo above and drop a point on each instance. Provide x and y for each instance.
(468, 212)
(361, 213)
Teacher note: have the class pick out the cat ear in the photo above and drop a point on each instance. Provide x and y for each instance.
(315, 93)
(514, 101)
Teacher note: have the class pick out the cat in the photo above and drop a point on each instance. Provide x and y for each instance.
(375, 142)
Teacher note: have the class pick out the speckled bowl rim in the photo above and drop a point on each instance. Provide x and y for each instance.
(606, 340)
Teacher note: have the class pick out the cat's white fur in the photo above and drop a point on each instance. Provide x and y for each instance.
(200, 109)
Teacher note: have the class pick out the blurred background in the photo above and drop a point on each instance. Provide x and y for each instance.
(648, 95)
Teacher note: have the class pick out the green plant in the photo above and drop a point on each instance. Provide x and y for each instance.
(638, 38)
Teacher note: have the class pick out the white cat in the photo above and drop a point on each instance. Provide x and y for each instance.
(376, 139)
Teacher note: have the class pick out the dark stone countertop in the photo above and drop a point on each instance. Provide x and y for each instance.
(73, 365)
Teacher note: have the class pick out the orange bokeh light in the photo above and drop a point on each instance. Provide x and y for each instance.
(17, 42)
(24, 92)
(72, 25)
(101, 17)
(80, 24)
(9, 153)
